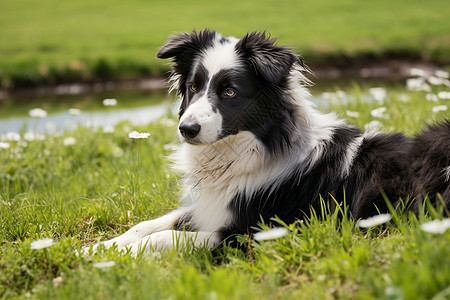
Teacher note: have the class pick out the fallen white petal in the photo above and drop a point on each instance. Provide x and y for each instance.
(270, 234)
(104, 264)
(436, 226)
(374, 221)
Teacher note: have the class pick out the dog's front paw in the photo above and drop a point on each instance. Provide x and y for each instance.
(119, 242)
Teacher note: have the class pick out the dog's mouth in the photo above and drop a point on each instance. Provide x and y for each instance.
(198, 140)
(192, 141)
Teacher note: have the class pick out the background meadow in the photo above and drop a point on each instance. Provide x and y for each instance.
(49, 41)
(73, 183)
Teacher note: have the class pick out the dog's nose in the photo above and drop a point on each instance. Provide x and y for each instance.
(189, 130)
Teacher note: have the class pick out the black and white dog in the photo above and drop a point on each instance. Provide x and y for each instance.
(255, 147)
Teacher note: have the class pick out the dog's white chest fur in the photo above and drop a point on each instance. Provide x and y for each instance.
(215, 173)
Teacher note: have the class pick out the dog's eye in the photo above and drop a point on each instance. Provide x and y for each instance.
(230, 93)
(193, 88)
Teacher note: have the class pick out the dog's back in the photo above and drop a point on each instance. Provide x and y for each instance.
(430, 161)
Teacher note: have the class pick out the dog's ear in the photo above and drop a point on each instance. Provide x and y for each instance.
(269, 60)
(184, 48)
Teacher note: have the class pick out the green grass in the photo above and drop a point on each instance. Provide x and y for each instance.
(51, 41)
(98, 188)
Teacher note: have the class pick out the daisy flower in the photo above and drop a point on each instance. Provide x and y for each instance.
(352, 114)
(4, 145)
(12, 136)
(110, 102)
(442, 74)
(439, 108)
(37, 113)
(444, 95)
(379, 112)
(138, 135)
(42, 243)
(74, 111)
(69, 141)
(417, 72)
(378, 93)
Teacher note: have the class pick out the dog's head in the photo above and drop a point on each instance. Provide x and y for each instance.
(229, 85)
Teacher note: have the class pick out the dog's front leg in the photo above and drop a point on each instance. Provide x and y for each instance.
(143, 229)
(168, 239)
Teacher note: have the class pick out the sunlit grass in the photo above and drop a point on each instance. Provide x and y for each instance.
(78, 193)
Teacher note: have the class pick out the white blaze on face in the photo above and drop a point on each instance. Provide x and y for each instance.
(220, 56)
(201, 112)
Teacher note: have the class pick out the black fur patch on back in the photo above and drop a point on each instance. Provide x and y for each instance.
(299, 192)
(430, 157)
(382, 166)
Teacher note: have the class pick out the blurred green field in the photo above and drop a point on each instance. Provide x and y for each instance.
(49, 41)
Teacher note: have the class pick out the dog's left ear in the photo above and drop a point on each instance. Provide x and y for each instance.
(271, 61)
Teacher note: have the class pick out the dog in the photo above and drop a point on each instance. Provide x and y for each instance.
(254, 147)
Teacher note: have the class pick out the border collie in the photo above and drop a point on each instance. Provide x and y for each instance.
(254, 147)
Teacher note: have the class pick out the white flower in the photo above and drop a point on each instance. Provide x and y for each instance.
(69, 141)
(378, 93)
(110, 102)
(436, 226)
(373, 125)
(341, 94)
(417, 84)
(37, 113)
(404, 98)
(104, 264)
(442, 74)
(42, 243)
(379, 112)
(4, 145)
(138, 135)
(417, 72)
(444, 95)
(433, 80)
(374, 221)
(12, 136)
(270, 234)
(74, 111)
(352, 114)
(439, 108)
(431, 97)
(108, 129)
(57, 281)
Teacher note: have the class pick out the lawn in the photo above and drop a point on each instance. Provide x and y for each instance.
(49, 41)
(82, 186)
